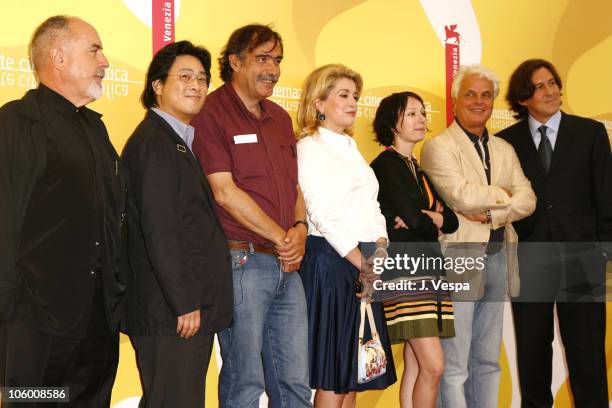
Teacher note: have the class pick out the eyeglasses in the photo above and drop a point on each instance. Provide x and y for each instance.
(188, 76)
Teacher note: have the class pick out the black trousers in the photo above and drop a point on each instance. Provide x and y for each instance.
(172, 369)
(569, 276)
(2, 351)
(35, 359)
(583, 328)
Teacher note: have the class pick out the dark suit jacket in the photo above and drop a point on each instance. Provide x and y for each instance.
(178, 253)
(575, 199)
(574, 205)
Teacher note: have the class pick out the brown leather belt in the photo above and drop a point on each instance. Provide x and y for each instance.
(247, 246)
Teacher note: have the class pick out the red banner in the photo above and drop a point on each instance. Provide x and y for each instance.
(452, 66)
(163, 23)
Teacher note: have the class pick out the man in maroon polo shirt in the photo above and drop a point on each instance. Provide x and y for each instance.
(246, 146)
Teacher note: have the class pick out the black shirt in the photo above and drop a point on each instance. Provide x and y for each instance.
(482, 149)
(63, 199)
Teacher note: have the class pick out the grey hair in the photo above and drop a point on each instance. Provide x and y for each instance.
(44, 36)
(477, 70)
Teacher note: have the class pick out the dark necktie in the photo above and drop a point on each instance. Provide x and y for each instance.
(544, 149)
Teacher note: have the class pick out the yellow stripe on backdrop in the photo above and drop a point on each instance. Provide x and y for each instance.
(395, 44)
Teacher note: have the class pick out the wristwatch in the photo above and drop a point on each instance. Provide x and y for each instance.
(489, 217)
(298, 222)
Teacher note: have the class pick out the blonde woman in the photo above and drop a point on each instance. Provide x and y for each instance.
(340, 191)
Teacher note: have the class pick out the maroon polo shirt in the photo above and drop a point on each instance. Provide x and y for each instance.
(266, 169)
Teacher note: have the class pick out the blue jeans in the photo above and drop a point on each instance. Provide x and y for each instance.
(266, 347)
(471, 358)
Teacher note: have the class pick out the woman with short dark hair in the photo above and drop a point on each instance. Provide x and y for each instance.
(414, 214)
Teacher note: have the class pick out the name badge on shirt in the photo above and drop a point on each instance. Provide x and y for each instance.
(241, 139)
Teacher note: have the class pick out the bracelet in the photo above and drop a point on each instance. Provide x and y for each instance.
(298, 222)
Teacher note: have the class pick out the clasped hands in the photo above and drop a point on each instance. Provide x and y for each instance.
(291, 248)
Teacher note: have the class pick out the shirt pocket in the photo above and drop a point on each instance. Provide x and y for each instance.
(249, 161)
(289, 162)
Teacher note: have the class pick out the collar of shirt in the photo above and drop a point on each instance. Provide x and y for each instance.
(232, 94)
(551, 131)
(480, 144)
(59, 103)
(337, 140)
(411, 158)
(473, 137)
(184, 131)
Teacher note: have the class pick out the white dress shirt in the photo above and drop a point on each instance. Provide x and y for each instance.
(340, 191)
(552, 129)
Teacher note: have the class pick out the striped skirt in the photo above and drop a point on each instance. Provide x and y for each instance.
(414, 307)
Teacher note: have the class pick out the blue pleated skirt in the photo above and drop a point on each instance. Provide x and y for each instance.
(333, 321)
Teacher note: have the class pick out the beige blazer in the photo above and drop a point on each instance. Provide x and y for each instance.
(452, 163)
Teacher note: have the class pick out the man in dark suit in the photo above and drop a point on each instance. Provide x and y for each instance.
(568, 161)
(61, 204)
(181, 288)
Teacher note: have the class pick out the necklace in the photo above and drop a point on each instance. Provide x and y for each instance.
(411, 165)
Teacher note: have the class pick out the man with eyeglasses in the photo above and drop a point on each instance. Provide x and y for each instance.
(180, 292)
(246, 146)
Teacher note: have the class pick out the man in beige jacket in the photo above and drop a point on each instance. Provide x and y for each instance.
(480, 178)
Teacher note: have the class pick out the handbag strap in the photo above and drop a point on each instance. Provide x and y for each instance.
(366, 308)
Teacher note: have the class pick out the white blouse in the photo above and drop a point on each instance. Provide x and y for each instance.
(340, 190)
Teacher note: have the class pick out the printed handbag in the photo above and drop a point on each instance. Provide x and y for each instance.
(372, 360)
